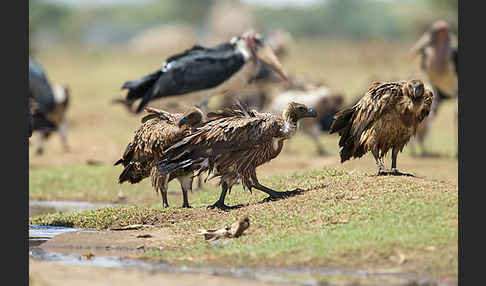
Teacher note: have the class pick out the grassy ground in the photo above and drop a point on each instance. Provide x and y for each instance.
(349, 218)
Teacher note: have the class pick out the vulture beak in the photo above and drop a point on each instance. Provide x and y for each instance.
(266, 54)
(311, 113)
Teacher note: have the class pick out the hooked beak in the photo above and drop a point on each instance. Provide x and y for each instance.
(421, 43)
(311, 113)
(266, 54)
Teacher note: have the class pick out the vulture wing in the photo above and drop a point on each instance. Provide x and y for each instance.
(221, 136)
(40, 88)
(379, 99)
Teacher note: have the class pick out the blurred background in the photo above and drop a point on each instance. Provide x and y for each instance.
(94, 46)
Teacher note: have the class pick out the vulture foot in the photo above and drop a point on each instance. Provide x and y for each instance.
(392, 172)
(282, 195)
(186, 206)
(223, 207)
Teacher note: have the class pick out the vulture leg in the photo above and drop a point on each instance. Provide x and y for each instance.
(273, 195)
(40, 142)
(220, 202)
(394, 170)
(162, 184)
(381, 168)
(314, 131)
(63, 135)
(186, 185)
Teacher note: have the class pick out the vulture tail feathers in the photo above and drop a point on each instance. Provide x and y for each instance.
(342, 124)
(341, 120)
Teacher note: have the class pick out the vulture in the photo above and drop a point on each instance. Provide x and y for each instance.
(159, 130)
(439, 59)
(232, 143)
(385, 117)
(320, 98)
(41, 98)
(47, 122)
(220, 69)
(47, 106)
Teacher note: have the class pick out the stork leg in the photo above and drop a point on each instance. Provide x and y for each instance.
(220, 202)
(186, 184)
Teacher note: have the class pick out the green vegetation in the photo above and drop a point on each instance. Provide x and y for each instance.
(345, 219)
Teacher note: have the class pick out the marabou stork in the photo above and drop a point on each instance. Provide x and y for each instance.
(220, 69)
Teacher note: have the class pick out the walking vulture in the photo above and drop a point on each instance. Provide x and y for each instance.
(219, 69)
(385, 117)
(232, 144)
(159, 130)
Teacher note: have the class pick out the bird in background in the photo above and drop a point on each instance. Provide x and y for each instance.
(232, 143)
(384, 118)
(159, 130)
(215, 70)
(439, 56)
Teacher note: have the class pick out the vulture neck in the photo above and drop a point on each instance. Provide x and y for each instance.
(290, 123)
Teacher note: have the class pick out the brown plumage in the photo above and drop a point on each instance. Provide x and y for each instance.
(233, 143)
(159, 130)
(384, 118)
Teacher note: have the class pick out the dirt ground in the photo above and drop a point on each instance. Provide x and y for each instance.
(46, 273)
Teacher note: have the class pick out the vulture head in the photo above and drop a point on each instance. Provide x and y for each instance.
(192, 117)
(422, 97)
(253, 46)
(296, 111)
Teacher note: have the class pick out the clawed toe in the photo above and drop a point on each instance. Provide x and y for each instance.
(224, 207)
(392, 172)
(282, 195)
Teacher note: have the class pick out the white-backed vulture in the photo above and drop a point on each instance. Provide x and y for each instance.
(159, 130)
(46, 122)
(321, 99)
(384, 118)
(232, 144)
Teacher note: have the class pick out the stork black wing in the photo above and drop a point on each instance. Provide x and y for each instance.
(40, 88)
(194, 70)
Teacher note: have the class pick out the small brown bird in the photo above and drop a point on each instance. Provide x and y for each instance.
(232, 144)
(385, 117)
(233, 231)
(159, 130)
